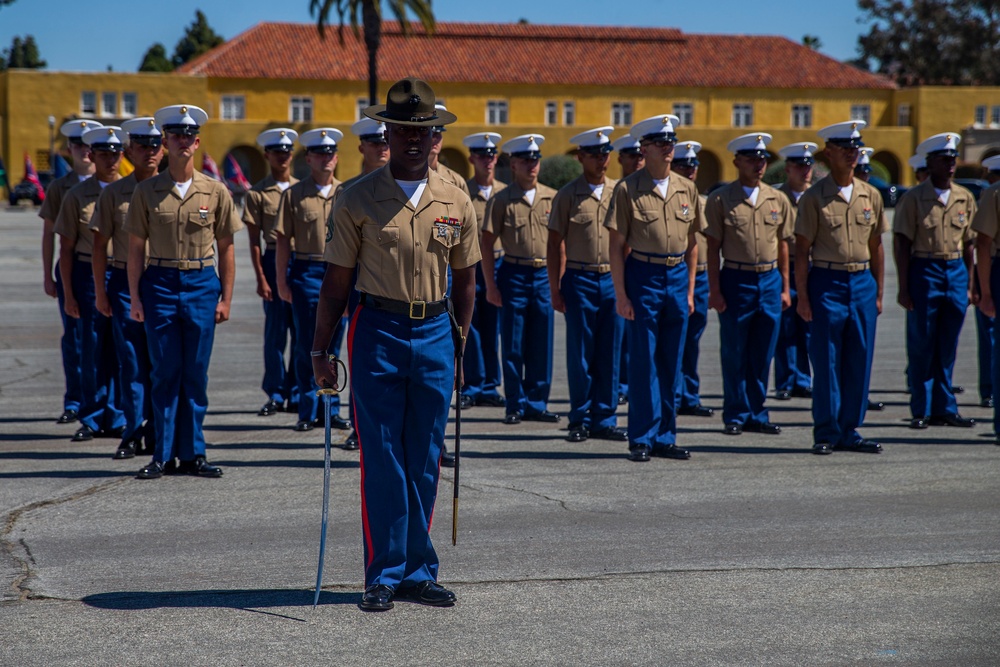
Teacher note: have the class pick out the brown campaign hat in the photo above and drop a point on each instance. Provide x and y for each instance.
(410, 102)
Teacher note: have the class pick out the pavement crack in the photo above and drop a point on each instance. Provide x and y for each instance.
(506, 487)
(19, 553)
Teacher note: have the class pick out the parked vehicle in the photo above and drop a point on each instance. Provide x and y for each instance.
(890, 191)
(25, 190)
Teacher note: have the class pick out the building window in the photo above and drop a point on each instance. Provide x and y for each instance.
(234, 107)
(903, 115)
(742, 115)
(684, 111)
(496, 112)
(569, 113)
(109, 104)
(130, 104)
(300, 110)
(88, 102)
(995, 117)
(861, 112)
(359, 108)
(980, 115)
(551, 109)
(802, 115)
(621, 113)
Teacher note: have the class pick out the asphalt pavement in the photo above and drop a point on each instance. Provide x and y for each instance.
(754, 552)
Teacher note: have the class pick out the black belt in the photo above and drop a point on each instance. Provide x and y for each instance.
(415, 310)
(590, 268)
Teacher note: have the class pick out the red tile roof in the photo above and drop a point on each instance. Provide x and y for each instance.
(533, 54)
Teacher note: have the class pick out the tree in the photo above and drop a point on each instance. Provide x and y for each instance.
(558, 170)
(198, 38)
(932, 42)
(371, 16)
(156, 60)
(22, 54)
(812, 41)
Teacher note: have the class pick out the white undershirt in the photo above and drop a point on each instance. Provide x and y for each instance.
(661, 186)
(82, 177)
(283, 185)
(943, 195)
(846, 192)
(183, 187)
(324, 189)
(597, 190)
(797, 195)
(530, 195)
(752, 193)
(413, 190)
(485, 191)
(103, 184)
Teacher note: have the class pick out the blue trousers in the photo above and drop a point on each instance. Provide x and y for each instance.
(526, 333)
(623, 365)
(481, 362)
(98, 361)
(70, 346)
(841, 345)
(791, 356)
(593, 337)
(280, 382)
(656, 343)
(939, 289)
(133, 356)
(984, 335)
(402, 377)
(748, 333)
(180, 329)
(306, 277)
(689, 394)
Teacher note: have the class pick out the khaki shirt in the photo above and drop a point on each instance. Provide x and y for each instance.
(787, 189)
(931, 226)
(403, 252)
(182, 228)
(521, 227)
(578, 217)
(302, 216)
(479, 204)
(653, 224)
(73, 221)
(449, 175)
(55, 193)
(840, 231)
(110, 213)
(261, 206)
(987, 218)
(700, 239)
(747, 233)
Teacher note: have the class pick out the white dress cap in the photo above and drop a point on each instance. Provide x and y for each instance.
(184, 119)
(106, 138)
(596, 140)
(525, 146)
(945, 143)
(280, 139)
(846, 134)
(802, 152)
(657, 127)
(484, 143)
(321, 140)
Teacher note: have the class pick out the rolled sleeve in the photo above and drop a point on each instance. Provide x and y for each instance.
(467, 253)
(345, 244)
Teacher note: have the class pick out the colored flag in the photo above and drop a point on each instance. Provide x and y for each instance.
(209, 168)
(237, 182)
(125, 167)
(3, 174)
(59, 166)
(31, 175)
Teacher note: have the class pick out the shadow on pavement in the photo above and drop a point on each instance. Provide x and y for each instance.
(68, 474)
(226, 599)
(51, 456)
(318, 463)
(554, 456)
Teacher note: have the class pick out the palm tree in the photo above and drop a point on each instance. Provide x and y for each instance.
(371, 16)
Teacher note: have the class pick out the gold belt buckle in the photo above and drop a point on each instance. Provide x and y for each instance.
(537, 263)
(423, 310)
(183, 264)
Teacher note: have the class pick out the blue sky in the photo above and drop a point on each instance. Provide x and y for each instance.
(90, 36)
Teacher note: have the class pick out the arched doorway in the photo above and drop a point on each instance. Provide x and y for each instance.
(890, 162)
(300, 169)
(456, 160)
(709, 170)
(251, 162)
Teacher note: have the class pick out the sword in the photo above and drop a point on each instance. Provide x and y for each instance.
(326, 393)
(458, 434)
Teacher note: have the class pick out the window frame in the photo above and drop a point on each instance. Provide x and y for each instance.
(742, 114)
(301, 104)
(229, 100)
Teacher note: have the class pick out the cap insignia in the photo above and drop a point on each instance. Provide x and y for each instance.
(184, 109)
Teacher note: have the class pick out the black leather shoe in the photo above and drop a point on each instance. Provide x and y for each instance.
(199, 468)
(864, 446)
(543, 416)
(638, 454)
(696, 411)
(352, 442)
(762, 427)
(111, 432)
(83, 434)
(918, 423)
(733, 429)
(152, 470)
(986, 402)
(952, 420)
(292, 408)
(578, 433)
(304, 425)
(957, 389)
(512, 418)
(465, 401)
(68, 417)
(622, 398)
(427, 592)
(269, 408)
(783, 395)
(822, 448)
(336, 421)
(671, 452)
(491, 400)
(377, 597)
(878, 406)
(447, 458)
(802, 392)
(127, 448)
(614, 433)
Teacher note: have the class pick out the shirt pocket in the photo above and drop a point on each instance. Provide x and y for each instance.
(121, 212)
(582, 218)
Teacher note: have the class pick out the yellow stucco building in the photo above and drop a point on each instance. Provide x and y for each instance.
(513, 79)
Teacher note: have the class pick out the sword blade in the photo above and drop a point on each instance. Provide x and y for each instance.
(326, 499)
